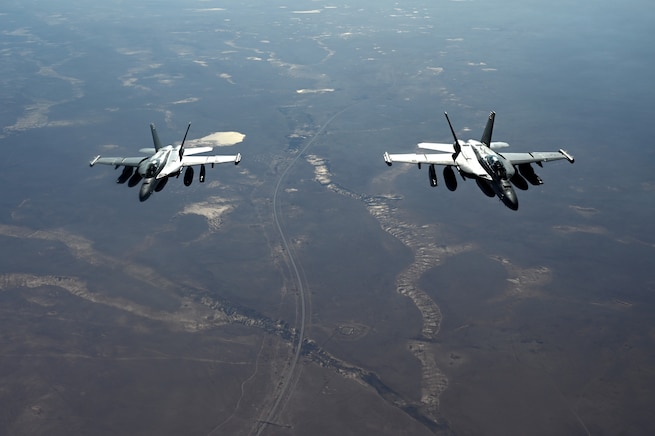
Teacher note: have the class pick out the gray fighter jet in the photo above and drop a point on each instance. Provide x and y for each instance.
(162, 163)
(492, 171)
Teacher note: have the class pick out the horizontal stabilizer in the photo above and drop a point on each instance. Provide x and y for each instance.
(147, 150)
(446, 148)
(497, 144)
(197, 150)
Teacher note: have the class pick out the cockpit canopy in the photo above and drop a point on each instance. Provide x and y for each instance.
(496, 166)
(153, 168)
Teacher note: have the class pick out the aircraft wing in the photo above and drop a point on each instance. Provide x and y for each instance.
(420, 158)
(118, 161)
(537, 156)
(445, 148)
(188, 161)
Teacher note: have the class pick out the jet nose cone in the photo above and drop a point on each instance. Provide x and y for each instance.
(510, 199)
(146, 190)
(143, 196)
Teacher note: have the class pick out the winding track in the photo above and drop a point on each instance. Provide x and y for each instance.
(305, 310)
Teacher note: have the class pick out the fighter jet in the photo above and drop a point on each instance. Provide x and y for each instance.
(493, 172)
(162, 163)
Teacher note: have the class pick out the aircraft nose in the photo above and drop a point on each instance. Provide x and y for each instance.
(510, 199)
(145, 190)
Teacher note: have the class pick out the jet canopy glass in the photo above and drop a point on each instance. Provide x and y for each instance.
(153, 168)
(157, 163)
(496, 166)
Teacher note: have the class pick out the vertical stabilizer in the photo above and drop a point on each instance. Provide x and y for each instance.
(182, 146)
(155, 137)
(488, 130)
(456, 145)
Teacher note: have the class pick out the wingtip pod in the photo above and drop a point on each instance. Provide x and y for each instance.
(387, 158)
(94, 160)
(567, 156)
(237, 159)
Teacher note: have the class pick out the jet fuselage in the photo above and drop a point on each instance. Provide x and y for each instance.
(480, 162)
(157, 168)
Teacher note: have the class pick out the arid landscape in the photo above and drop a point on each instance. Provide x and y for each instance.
(312, 289)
